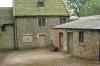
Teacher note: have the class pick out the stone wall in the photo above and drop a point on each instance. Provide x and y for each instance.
(29, 25)
(89, 49)
(7, 38)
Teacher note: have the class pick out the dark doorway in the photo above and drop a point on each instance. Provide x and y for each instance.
(70, 42)
(60, 41)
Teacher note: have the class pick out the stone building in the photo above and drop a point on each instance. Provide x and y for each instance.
(80, 37)
(7, 28)
(32, 22)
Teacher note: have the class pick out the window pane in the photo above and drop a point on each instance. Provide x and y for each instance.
(40, 4)
(62, 20)
(41, 21)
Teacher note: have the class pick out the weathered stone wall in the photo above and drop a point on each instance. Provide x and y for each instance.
(89, 49)
(29, 25)
(7, 38)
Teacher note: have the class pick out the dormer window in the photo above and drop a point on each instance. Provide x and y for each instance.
(40, 3)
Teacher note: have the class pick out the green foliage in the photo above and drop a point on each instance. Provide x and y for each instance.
(78, 6)
(84, 7)
(93, 9)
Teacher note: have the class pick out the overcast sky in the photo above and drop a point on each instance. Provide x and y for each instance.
(5, 3)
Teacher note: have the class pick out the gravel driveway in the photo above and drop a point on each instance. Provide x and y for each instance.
(42, 57)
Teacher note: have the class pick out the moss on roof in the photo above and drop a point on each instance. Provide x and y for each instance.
(30, 8)
(6, 15)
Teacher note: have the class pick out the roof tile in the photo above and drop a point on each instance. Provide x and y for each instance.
(91, 22)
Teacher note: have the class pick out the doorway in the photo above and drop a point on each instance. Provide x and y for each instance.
(42, 41)
(70, 42)
(60, 41)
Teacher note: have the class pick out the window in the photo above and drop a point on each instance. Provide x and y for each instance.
(3, 28)
(81, 37)
(98, 31)
(41, 21)
(62, 20)
(40, 3)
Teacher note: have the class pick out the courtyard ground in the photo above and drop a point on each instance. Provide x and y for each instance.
(42, 57)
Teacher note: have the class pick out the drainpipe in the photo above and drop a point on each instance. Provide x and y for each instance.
(15, 35)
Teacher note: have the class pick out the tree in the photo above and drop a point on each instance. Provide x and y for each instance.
(93, 9)
(77, 6)
(84, 7)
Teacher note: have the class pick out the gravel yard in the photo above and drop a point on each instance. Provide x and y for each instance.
(42, 57)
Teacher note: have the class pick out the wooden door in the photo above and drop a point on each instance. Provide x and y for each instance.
(70, 42)
(60, 41)
(42, 41)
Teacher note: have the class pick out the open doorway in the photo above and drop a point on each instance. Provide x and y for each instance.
(60, 41)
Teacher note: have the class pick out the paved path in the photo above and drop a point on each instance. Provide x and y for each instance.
(42, 57)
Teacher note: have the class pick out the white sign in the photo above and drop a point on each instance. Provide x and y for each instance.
(27, 38)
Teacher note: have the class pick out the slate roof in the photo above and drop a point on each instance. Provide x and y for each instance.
(6, 15)
(91, 22)
(30, 8)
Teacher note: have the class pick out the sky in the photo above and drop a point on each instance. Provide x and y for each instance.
(5, 3)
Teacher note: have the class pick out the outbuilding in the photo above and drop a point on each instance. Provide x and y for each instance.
(79, 38)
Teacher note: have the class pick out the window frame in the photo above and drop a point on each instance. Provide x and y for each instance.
(41, 21)
(40, 3)
(62, 20)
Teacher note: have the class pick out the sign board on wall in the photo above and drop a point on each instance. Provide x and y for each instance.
(27, 38)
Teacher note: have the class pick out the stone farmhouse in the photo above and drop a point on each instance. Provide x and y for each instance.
(28, 24)
(80, 38)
